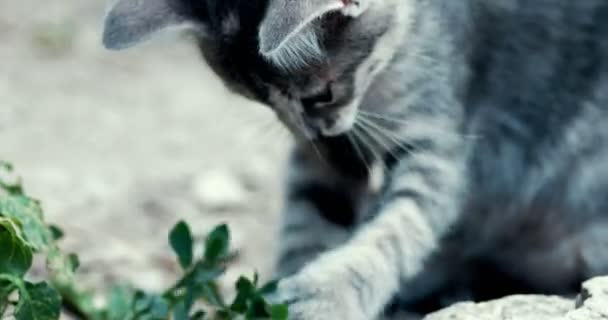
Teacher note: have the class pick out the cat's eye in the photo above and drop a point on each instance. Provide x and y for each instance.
(321, 99)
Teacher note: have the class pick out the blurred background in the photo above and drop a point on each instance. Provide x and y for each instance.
(120, 146)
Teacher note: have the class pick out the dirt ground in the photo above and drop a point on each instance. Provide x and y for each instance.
(120, 146)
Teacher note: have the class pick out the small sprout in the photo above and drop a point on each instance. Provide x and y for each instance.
(56, 232)
(217, 244)
(24, 233)
(38, 302)
(180, 239)
(16, 256)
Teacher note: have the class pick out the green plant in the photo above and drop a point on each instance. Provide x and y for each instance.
(24, 233)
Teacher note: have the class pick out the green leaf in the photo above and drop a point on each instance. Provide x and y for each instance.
(73, 261)
(79, 300)
(29, 214)
(150, 307)
(269, 288)
(120, 301)
(10, 188)
(38, 302)
(256, 279)
(239, 304)
(63, 266)
(210, 293)
(199, 275)
(15, 255)
(205, 274)
(279, 312)
(225, 315)
(257, 309)
(6, 166)
(6, 288)
(199, 315)
(141, 302)
(248, 298)
(56, 232)
(249, 302)
(181, 241)
(245, 286)
(182, 309)
(217, 244)
(159, 309)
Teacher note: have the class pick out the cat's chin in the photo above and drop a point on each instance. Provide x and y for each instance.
(336, 131)
(343, 124)
(310, 136)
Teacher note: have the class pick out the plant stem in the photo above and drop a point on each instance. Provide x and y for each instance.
(20, 285)
(14, 280)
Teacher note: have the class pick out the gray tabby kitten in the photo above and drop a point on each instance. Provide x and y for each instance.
(442, 143)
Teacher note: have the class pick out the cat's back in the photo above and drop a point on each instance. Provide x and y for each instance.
(537, 108)
(537, 102)
(537, 54)
(536, 67)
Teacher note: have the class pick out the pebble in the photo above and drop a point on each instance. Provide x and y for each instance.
(219, 190)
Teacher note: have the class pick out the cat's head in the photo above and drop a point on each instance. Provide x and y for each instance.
(312, 61)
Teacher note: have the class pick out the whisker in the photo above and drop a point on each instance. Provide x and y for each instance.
(369, 131)
(360, 153)
(388, 135)
(378, 139)
(408, 146)
(318, 152)
(370, 146)
(397, 120)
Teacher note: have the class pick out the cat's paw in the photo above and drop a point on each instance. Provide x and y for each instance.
(319, 297)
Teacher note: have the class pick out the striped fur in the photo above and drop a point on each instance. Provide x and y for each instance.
(445, 149)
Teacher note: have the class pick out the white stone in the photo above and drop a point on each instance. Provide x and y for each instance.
(592, 304)
(219, 190)
(520, 307)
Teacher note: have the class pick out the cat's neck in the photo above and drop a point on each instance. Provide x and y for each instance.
(434, 51)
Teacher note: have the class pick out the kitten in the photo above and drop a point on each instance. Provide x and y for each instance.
(441, 144)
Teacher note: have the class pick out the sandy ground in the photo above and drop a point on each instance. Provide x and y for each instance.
(120, 146)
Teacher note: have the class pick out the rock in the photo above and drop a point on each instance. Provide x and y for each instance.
(219, 190)
(592, 304)
(514, 307)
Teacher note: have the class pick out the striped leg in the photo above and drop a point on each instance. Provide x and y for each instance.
(356, 280)
(305, 235)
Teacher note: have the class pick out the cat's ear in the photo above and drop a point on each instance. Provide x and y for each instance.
(130, 22)
(289, 35)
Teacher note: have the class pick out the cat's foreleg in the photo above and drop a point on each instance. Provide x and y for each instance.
(357, 280)
(305, 235)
